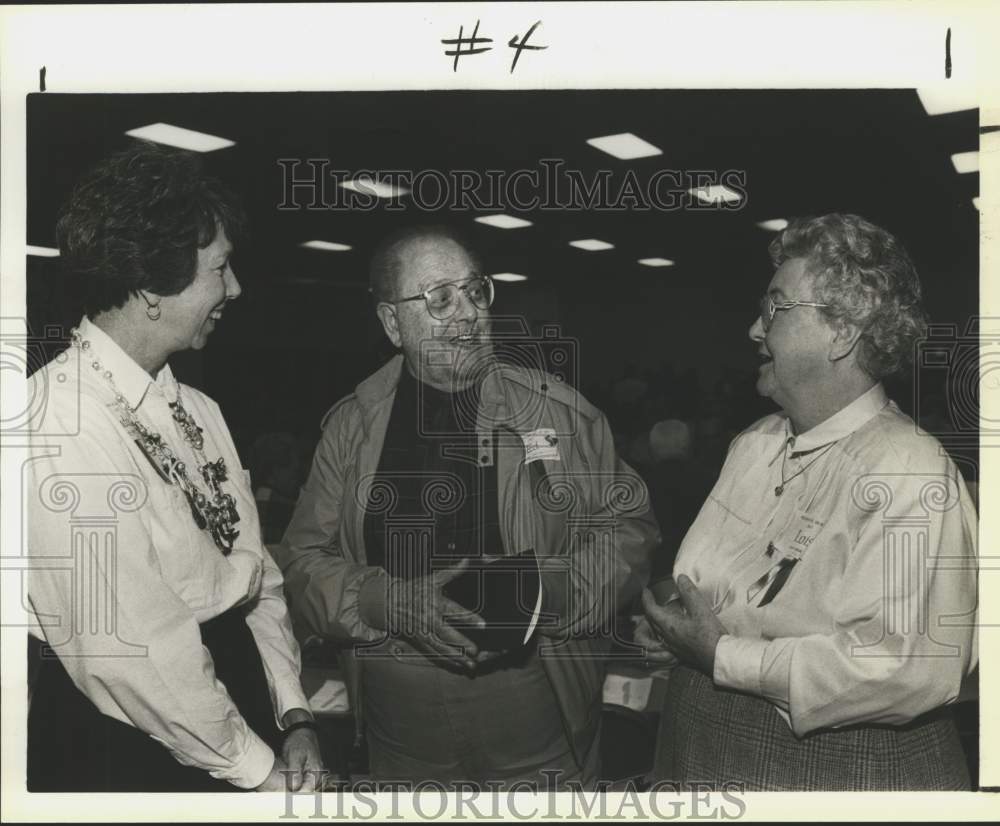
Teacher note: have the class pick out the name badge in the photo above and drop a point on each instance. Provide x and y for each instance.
(805, 529)
(540, 444)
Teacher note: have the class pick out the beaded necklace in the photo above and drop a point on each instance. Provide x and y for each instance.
(217, 515)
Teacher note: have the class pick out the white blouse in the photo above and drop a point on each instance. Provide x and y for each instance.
(121, 576)
(851, 596)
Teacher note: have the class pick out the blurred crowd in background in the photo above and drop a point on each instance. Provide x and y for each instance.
(667, 424)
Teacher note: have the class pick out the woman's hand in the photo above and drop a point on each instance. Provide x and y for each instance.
(275, 780)
(302, 754)
(656, 653)
(688, 626)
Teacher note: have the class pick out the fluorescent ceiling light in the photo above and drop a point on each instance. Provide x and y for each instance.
(773, 225)
(503, 221)
(510, 277)
(966, 161)
(716, 194)
(328, 246)
(625, 146)
(183, 138)
(656, 262)
(42, 252)
(367, 186)
(948, 97)
(591, 245)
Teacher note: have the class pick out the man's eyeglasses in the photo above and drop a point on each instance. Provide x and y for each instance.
(768, 308)
(442, 300)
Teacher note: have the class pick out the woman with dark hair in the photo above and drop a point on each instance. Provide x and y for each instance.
(824, 609)
(169, 663)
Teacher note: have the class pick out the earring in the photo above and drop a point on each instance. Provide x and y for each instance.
(152, 310)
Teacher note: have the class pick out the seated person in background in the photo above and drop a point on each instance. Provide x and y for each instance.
(276, 473)
(825, 617)
(443, 456)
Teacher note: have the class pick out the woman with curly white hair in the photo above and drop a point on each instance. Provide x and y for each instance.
(824, 612)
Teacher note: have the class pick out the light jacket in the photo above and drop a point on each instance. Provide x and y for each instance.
(584, 512)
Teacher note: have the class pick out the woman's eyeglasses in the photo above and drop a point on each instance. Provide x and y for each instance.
(768, 308)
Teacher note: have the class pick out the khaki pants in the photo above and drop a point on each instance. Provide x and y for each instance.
(499, 726)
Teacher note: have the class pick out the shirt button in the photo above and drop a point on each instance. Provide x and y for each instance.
(451, 546)
(484, 460)
(486, 442)
(545, 388)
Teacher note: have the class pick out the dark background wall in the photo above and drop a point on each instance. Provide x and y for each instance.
(304, 332)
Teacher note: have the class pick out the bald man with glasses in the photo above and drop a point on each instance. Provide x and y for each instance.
(444, 459)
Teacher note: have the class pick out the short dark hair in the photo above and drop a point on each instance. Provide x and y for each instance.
(867, 278)
(387, 260)
(137, 220)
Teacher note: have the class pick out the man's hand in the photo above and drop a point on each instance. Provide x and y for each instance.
(417, 608)
(688, 627)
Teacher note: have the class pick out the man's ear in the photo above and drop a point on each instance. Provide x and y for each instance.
(387, 315)
(845, 339)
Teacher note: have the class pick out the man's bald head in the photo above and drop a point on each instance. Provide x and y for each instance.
(391, 255)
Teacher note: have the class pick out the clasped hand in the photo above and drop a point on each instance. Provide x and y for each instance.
(299, 768)
(420, 612)
(686, 629)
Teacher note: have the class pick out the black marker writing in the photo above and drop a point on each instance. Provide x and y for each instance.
(470, 42)
(523, 44)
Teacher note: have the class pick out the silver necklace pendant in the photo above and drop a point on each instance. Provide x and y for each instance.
(196, 511)
(192, 432)
(162, 470)
(780, 489)
(219, 515)
(225, 537)
(214, 472)
(223, 531)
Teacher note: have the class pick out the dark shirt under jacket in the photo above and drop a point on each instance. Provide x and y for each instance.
(445, 503)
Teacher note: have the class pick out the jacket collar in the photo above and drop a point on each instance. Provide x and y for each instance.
(842, 423)
(381, 385)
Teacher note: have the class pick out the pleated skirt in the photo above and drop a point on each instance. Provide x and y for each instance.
(728, 739)
(73, 747)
